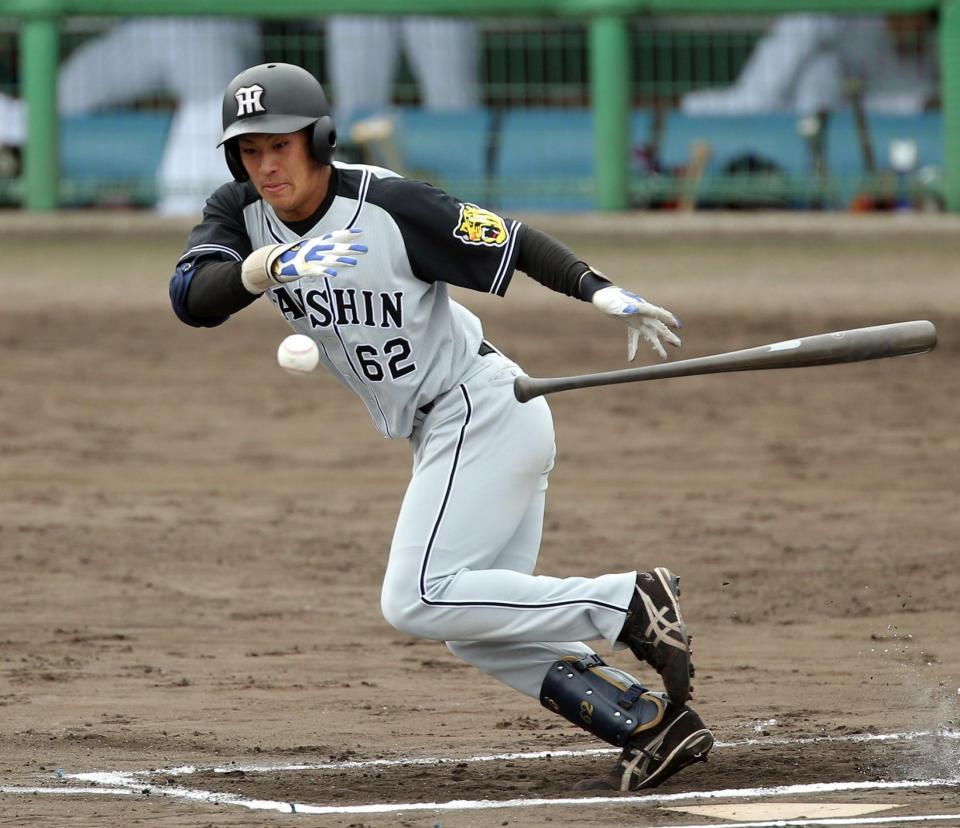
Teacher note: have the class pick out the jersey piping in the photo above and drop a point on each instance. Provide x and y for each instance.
(506, 259)
(210, 248)
(425, 563)
(346, 354)
(267, 223)
(361, 198)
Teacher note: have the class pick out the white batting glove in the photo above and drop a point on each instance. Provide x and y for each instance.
(642, 318)
(277, 264)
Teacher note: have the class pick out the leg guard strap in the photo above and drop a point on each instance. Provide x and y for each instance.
(603, 700)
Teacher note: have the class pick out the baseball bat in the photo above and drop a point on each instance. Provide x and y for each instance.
(857, 345)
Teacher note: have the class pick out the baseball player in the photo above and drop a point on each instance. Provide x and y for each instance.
(359, 259)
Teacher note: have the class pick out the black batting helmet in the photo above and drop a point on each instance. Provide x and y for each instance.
(276, 98)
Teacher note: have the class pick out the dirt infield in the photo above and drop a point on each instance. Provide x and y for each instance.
(193, 541)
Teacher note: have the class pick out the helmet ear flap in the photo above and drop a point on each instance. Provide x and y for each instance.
(323, 140)
(231, 152)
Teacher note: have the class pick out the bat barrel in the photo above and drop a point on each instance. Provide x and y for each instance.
(857, 345)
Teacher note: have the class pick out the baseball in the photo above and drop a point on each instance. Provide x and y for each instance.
(298, 354)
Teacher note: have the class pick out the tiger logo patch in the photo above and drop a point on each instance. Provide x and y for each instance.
(479, 226)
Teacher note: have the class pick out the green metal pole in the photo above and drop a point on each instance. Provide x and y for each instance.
(610, 94)
(39, 55)
(950, 100)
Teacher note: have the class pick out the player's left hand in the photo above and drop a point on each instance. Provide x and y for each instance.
(643, 319)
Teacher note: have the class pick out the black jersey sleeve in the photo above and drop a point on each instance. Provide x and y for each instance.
(548, 261)
(448, 240)
(222, 234)
(220, 238)
(217, 291)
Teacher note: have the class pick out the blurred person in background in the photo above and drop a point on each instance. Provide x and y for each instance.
(189, 59)
(363, 52)
(811, 63)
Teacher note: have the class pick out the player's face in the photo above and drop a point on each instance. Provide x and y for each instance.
(284, 173)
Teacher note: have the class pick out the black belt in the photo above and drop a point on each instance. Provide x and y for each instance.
(484, 350)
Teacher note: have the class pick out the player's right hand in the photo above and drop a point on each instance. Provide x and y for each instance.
(317, 257)
(282, 263)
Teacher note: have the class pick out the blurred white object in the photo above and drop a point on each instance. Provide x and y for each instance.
(13, 122)
(809, 126)
(903, 154)
(190, 59)
(363, 53)
(805, 62)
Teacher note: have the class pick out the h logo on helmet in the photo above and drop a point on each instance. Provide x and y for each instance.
(248, 100)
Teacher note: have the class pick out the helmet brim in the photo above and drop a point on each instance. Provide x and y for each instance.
(266, 124)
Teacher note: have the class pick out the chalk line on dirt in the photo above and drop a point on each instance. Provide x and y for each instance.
(219, 798)
(351, 764)
(126, 783)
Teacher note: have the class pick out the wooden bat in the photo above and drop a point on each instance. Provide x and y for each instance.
(699, 158)
(376, 138)
(857, 345)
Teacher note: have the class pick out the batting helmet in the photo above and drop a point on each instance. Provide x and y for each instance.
(276, 98)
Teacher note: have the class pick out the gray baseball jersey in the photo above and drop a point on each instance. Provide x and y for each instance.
(386, 328)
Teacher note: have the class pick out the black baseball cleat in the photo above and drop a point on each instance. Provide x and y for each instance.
(679, 740)
(656, 632)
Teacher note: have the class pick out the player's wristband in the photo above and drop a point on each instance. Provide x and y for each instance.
(257, 269)
(590, 282)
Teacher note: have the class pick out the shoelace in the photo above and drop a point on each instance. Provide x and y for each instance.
(658, 625)
(630, 768)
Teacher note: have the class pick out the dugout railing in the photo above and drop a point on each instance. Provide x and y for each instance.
(604, 132)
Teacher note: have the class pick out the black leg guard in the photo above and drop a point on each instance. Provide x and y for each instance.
(601, 699)
(658, 738)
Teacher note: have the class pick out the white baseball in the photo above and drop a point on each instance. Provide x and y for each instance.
(298, 354)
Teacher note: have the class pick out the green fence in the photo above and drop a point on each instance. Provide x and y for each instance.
(582, 106)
